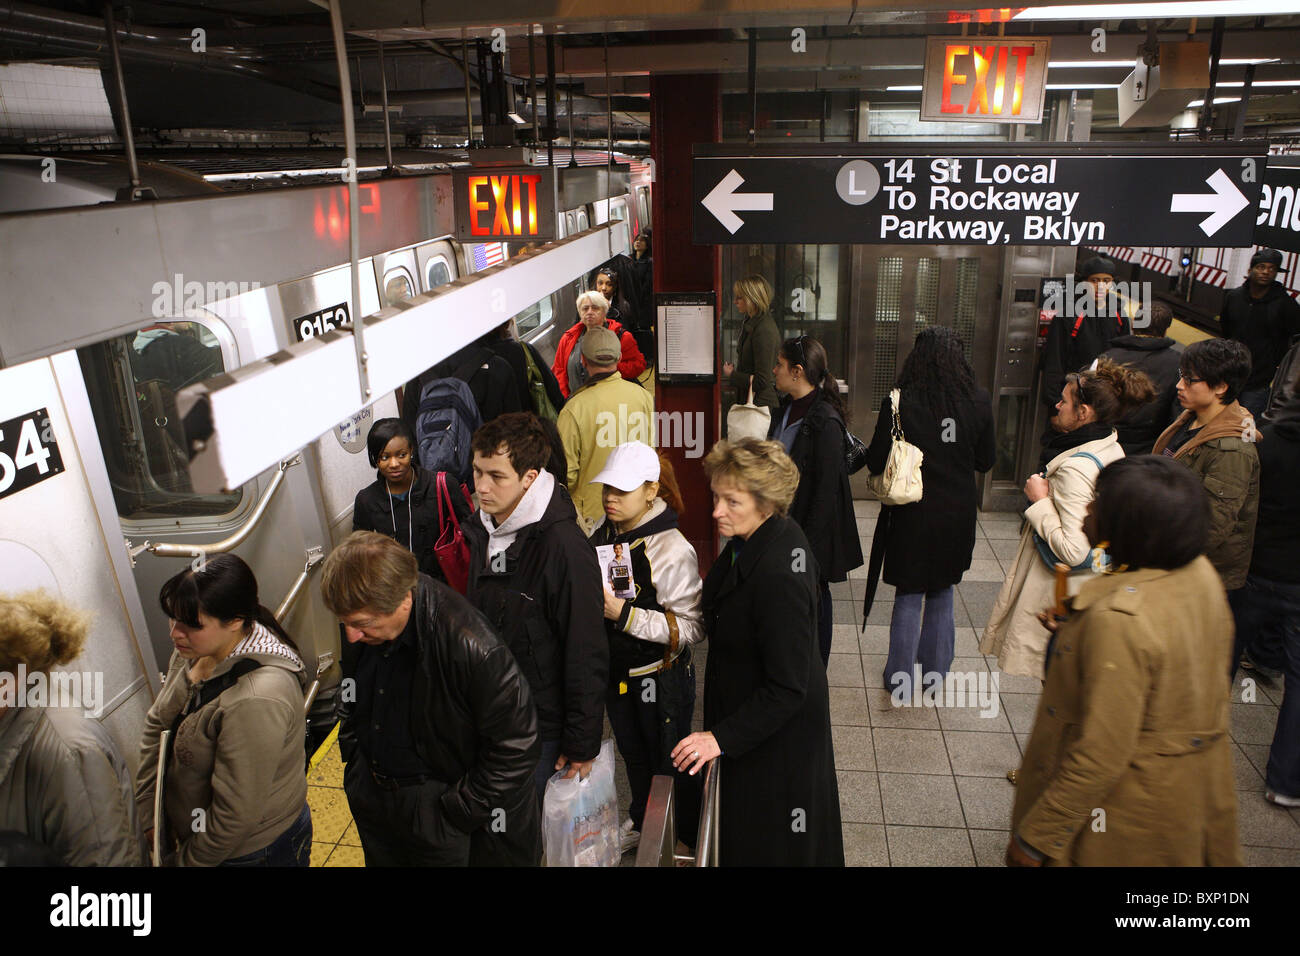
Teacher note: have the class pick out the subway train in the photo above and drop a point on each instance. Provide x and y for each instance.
(145, 299)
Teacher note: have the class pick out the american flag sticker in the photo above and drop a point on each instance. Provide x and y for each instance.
(488, 254)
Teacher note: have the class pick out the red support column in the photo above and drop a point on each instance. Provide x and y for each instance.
(685, 110)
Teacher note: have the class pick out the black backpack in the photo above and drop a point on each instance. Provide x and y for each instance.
(446, 420)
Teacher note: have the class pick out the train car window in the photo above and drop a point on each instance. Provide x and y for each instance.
(132, 382)
(397, 286)
(436, 273)
(643, 210)
(582, 221)
(534, 317)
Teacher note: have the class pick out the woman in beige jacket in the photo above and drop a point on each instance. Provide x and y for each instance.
(1129, 762)
(235, 791)
(1054, 519)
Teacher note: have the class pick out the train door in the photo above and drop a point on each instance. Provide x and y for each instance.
(58, 532)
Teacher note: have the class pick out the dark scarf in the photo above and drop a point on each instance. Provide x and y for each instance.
(1064, 441)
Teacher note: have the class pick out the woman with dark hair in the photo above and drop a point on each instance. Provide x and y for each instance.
(402, 501)
(643, 302)
(606, 282)
(810, 424)
(926, 546)
(234, 790)
(1132, 727)
(651, 677)
(1085, 443)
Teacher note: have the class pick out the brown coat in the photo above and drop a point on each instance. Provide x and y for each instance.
(1129, 763)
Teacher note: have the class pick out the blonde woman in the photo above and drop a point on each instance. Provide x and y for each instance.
(63, 782)
(766, 706)
(757, 346)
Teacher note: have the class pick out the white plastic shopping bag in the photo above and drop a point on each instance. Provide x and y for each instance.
(580, 817)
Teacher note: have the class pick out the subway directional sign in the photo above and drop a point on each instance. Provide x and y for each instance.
(1054, 194)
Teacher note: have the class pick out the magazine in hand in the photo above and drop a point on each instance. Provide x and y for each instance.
(616, 569)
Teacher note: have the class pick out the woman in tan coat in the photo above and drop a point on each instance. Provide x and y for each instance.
(1086, 443)
(1129, 762)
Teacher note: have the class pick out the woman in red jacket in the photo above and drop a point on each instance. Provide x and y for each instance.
(593, 309)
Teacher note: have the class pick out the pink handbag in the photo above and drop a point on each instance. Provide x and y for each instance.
(451, 549)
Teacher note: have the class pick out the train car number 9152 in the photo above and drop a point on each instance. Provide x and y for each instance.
(28, 452)
(318, 323)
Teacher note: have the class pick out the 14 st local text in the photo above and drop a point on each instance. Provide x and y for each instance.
(994, 187)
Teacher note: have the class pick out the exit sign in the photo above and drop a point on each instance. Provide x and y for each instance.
(505, 204)
(985, 79)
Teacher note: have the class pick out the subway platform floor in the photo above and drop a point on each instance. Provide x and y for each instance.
(919, 786)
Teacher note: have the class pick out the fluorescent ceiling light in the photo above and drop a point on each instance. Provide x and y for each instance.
(1217, 101)
(1083, 86)
(519, 120)
(904, 89)
(1129, 64)
(1258, 83)
(1156, 11)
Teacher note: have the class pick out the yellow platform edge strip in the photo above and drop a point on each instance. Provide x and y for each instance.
(323, 749)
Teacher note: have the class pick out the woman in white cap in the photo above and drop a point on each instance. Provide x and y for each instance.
(652, 681)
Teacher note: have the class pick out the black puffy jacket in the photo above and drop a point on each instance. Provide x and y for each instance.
(548, 606)
(1072, 343)
(1264, 325)
(475, 727)
(372, 511)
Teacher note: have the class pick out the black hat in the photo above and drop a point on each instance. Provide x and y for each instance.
(1097, 265)
(1267, 255)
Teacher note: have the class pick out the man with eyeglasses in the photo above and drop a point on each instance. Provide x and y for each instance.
(1073, 341)
(1261, 314)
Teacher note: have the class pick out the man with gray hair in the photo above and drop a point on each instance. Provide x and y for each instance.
(605, 413)
(440, 732)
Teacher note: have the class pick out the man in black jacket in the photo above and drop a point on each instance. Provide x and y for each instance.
(1151, 351)
(1261, 314)
(1077, 336)
(439, 733)
(536, 578)
(490, 378)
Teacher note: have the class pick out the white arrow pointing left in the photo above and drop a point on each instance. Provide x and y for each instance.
(723, 201)
(1224, 203)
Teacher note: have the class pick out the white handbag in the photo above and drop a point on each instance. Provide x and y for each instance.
(748, 420)
(900, 482)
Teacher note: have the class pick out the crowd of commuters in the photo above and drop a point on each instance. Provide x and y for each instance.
(487, 639)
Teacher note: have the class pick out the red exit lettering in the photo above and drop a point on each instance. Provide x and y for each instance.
(510, 200)
(989, 62)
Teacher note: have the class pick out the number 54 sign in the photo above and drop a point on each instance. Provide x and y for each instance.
(28, 452)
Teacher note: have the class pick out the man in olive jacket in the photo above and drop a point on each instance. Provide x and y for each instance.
(440, 738)
(1215, 437)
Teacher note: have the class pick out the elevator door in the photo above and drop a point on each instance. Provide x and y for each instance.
(900, 290)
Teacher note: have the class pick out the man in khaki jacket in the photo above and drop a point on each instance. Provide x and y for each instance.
(1129, 762)
(605, 413)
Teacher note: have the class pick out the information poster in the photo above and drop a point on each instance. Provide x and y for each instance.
(686, 336)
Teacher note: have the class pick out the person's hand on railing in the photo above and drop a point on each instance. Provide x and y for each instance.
(695, 751)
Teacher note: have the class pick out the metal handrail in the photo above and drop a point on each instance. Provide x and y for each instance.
(659, 827)
(709, 836)
(314, 557)
(165, 550)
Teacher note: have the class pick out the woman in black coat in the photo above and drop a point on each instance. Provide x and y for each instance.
(810, 425)
(926, 545)
(402, 501)
(766, 705)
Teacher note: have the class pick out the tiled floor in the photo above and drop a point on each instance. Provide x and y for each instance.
(921, 786)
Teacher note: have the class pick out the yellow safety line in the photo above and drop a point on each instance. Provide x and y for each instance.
(323, 749)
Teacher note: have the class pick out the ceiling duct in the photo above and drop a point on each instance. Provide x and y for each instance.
(1155, 92)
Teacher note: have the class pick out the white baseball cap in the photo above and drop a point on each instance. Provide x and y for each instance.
(629, 466)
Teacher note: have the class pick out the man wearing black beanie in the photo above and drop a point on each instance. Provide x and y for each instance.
(1074, 340)
(1261, 315)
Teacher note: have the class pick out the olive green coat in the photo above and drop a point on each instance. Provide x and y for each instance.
(756, 355)
(1129, 762)
(1223, 456)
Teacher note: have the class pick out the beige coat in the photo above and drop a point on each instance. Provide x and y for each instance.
(1129, 762)
(240, 759)
(1014, 633)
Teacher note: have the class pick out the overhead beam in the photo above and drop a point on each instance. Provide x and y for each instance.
(264, 412)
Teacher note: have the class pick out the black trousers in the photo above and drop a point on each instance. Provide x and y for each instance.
(406, 826)
(649, 716)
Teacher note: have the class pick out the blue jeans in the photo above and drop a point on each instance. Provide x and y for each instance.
(290, 848)
(927, 639)
(1267, 615)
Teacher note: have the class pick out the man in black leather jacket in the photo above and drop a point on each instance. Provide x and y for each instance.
(439, 731)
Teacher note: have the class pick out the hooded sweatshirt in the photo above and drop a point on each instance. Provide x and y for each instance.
(1223, 455)
(238, 758)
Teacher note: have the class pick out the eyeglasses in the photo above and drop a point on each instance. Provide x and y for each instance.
(1191, 381)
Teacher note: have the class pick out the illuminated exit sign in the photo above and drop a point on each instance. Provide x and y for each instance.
(505, 204)
(985, 79)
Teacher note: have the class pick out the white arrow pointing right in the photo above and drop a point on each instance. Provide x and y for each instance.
(1225, 202)
(723, 201)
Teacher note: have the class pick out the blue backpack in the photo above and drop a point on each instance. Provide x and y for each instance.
(445, 421)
